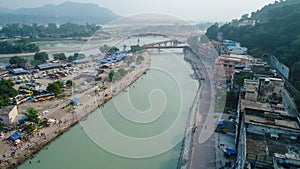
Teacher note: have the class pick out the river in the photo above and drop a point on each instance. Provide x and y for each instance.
(141, 127)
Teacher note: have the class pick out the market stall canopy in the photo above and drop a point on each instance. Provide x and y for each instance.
(75, 101)
(220, 122)
(15, 136)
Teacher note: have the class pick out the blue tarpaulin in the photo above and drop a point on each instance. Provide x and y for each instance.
(230, 151)
(15, 136)
(220, 122)
(22, 119)
(75, 101)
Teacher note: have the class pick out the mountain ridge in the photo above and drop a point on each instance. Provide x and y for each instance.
(61, 13)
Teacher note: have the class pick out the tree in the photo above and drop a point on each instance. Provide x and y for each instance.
(76, 56)
(17, 47)
(70, 83)
(41, 57)
(139, 59)
(108, 49)
(51, 30)
(136, 48)
(59, 56)
(4, 100)
(17, 61)
(71, 58)
(104, 49)
(276, 33)
(55, 87)
(32, 116)
(113, 50)
(231, 100)
(240, 80)
(111, 75)
(7, 88)
(59, 84)
(297, 102)
(212, 31)
(122, 72)
(79, 55)
(245, 16)
(1, 126)
(295, 72)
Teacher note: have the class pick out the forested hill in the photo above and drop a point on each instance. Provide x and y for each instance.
(263, 14)
(66, 12)
(277, 32)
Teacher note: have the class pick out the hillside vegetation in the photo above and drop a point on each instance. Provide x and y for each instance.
(277, 32)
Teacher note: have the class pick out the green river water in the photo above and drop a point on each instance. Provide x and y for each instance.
(149, 119)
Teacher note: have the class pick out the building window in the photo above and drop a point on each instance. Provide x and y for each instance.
(226, 61)
(236, 63)
(225, 65)
(230, 65)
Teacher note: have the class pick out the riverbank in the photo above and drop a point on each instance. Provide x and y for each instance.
(187, 143)
(89, 103)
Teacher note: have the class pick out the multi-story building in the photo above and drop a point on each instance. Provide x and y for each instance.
(8, 115)
(224, 66)
(263, 89)
(268, 140)
(267, 136)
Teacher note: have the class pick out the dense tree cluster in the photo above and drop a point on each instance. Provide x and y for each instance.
(111, 75)
(59, 56)
(55, 87)
(277, 33)
(70, 83)
(7, 91)
(136, 48)
(108, 49)
(139, 59)
(40, 57)
(17, 62)
(51, 30)
(32, 115)
(76, 56)
(21, 46)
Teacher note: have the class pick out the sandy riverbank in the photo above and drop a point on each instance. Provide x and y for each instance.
(89, 103)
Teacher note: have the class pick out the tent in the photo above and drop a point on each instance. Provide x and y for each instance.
(22, 119)
(220, 122)
(75, 101)
(51, 120)
(15, 136)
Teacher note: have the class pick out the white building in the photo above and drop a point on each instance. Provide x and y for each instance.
(8, 115)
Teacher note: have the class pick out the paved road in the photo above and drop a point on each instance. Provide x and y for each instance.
(203, 150)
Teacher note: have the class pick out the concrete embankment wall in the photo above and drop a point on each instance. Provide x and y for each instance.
(186, 148)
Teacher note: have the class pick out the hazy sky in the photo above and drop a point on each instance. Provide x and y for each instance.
(198, 10)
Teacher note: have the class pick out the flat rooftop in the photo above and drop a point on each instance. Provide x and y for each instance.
(263, 148)
(256, 105)
(244, 57)
(6, 109)
(283, 123)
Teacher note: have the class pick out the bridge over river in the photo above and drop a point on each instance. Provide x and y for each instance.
(167, 44)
